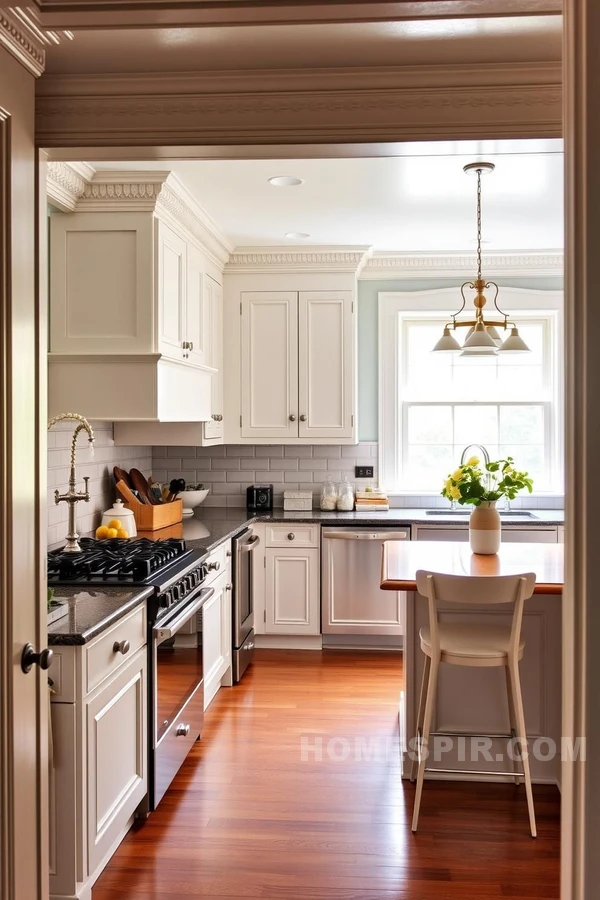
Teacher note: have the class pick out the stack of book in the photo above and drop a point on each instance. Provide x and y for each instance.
(372, 500)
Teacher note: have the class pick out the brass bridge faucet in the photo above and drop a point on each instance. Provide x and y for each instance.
(72, 497)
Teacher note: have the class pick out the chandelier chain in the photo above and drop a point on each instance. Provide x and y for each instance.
(479, 223)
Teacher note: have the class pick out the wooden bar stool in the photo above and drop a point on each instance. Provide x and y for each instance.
(472, 645)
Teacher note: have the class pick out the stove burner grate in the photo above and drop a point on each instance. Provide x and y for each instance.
(115, 560)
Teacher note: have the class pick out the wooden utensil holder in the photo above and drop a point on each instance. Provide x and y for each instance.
(151, 518)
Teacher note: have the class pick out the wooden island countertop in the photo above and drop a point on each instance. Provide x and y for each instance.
(402, 560)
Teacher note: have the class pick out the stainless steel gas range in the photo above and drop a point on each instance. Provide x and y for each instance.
(175, 679)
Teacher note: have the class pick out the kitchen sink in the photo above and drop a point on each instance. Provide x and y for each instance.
(513, 513)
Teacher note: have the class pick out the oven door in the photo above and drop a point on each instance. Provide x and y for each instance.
(178, 692)
(243, 606)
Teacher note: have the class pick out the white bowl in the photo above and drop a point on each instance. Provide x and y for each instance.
(192, 499)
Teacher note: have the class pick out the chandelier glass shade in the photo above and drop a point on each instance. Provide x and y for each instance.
(483, 337)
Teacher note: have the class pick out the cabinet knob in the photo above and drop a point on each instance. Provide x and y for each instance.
(190, 345)
(121, 647)
(182, 730)
(30, 658)
(303, 418)
(292, 418)
(229, 587)
(217, 417)
(291, 536)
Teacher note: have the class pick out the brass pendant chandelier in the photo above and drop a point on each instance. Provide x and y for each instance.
(483, 338)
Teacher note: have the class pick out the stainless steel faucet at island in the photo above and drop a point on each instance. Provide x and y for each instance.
(72, 497)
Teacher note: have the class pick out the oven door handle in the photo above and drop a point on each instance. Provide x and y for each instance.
(164, 632)
(246, 546)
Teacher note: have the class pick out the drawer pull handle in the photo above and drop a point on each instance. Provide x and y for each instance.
(182, 730)
(121, 647)
(214, 566)
(291, 536)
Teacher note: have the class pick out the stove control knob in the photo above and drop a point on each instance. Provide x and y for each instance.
(165, 600)
(214, 566)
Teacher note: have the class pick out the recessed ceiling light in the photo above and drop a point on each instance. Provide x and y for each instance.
(297, 235)
(285, 181)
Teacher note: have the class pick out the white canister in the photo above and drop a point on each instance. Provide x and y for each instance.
(125, 516)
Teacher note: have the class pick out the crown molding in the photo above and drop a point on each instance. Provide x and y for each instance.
(66, 183)
(296, 260)
(214, 13)
(77, 187)
(265, 80)
(18, 38)
(389, 265)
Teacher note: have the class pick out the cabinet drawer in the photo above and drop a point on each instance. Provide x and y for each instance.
(292, 535)
(218, 559)
(101, 659)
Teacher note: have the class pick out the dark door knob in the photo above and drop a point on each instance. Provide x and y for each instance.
(30, 658)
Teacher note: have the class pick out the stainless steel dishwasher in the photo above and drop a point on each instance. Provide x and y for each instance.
(352, 602)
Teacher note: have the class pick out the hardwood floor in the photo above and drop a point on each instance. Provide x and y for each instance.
(248, 817)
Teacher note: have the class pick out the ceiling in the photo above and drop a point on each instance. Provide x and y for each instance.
(323, 46)
(419, 201)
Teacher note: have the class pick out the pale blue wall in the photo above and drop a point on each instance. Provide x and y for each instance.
(367, 334)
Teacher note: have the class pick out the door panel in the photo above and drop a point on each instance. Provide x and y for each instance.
(326, 364)
(171, 291)
(269, 364)
(197, 322)
(213, 296)
(292, 597)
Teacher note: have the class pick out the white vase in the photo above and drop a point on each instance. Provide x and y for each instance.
(485, 528)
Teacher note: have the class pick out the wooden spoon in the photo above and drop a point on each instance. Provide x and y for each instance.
(122, 475)
(141, 485)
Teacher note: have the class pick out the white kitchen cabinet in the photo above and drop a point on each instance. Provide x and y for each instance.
(131, 338)
(292, 601)
(269, 365)
(325, 365)
(297, 366)
(116, 729)
(98, 775)
(213, 300)
(215, 624)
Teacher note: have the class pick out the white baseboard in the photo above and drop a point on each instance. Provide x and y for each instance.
(288, 642)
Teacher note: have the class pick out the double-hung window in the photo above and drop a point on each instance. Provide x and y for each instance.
(432, 405)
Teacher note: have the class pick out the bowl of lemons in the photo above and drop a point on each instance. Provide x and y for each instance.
(117, 522)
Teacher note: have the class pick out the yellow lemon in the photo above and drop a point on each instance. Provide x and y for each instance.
(102, 532)
(111, 532)
(122, 533)
(115, 523)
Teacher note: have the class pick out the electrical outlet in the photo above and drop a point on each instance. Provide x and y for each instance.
(363, 471)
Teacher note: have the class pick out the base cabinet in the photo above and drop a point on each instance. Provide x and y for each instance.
(292, 601)
(98, 775)
(216, 626)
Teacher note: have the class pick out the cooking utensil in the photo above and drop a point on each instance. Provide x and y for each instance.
(141, 485)
(122, 475)
(175, 486)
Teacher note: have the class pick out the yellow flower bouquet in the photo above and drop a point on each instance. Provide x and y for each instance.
(471, 484)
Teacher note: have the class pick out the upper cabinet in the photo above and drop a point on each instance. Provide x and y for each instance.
(135, 318)
(292, 377)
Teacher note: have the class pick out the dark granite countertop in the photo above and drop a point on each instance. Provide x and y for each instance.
(92, 611)
(211, 526)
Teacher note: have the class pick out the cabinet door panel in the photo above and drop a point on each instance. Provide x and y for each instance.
(269, 364)
(326, 364)
(197, 323)
(117, 743)
(213, 296)
(216, 636)
(171, 291)
(293, 591)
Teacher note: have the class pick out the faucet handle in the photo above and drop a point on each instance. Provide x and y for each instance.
(57, 496)
(86, 478)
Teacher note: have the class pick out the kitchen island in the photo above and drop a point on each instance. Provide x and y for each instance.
(476, 703)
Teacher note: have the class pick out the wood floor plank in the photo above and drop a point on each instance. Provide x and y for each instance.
(253, 814)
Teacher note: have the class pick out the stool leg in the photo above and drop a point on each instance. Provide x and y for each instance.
(512, 720)
(429, 705)
(420, 715)
(522, 737)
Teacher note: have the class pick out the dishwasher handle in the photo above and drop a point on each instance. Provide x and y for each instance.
(350, 535)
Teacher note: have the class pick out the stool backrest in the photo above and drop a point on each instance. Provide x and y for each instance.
(480, 590)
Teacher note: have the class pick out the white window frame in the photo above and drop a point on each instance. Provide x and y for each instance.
(423, 304)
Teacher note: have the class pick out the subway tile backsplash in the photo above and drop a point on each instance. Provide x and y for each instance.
(228, 470)
(99, 468)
